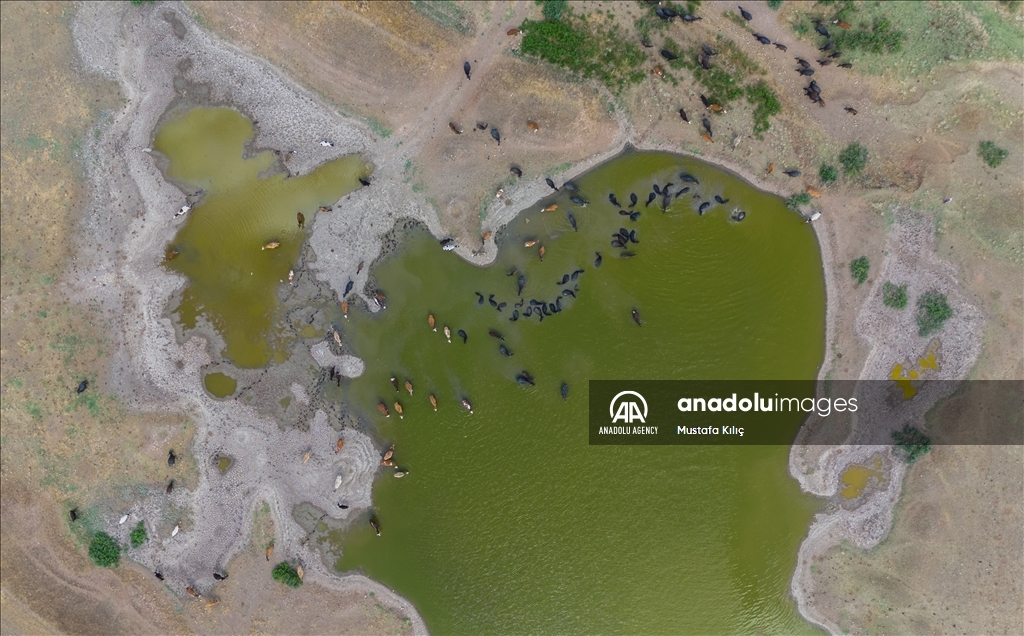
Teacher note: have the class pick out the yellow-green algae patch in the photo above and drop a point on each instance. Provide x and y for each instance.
(238, 245)
(856, 478)
(220, 384)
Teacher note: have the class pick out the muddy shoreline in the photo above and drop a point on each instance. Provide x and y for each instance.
(144, 51)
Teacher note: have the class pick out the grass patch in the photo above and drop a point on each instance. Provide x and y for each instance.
(894, 296)
(828, 173)
(447, 14)
(853, 158)
(911, 443)
(932, 312)
(379, 128)
(766, 104)
(104, 550)
(138, 535)
(927, 34)
(859, 269)
(991, 154)
(879, 38)
(774, 4)
(593, 50)
(286, 574)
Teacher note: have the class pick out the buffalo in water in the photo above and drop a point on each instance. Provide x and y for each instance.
(634, 216)
(463, 335)
(565, 391)
(520, 283)
(570, 186)
(579, 201)
(650, 198)
(491, 300)
(614, 201)
(632, 200)
(480, 298)
(721, 200)
(703, 207)
(636, 317)
(597, 260)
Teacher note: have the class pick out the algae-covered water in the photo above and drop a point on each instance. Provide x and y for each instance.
(237, 246)
(509, 522)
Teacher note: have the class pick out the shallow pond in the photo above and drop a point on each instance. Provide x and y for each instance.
(238, 245)
(508, 520)
(220, 384)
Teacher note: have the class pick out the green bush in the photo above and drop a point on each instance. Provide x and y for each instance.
(794, 202)
(911, 443)
(932, 312)
(991, 154)
(894, 296)
(774, 4)
(104, 551)
(138, 536)
(286, 574)
(859, 269)
(853, 158)
(828, 173)
(766, 103)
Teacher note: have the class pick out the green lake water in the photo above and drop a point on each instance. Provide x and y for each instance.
(509, 522)
(232, 280)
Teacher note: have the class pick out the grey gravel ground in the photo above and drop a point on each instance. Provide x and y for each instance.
(891, 336)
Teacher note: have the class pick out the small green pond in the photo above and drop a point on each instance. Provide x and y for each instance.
(220, 384)
(225, 246)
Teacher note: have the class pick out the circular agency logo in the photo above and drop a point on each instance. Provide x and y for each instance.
(628, 411)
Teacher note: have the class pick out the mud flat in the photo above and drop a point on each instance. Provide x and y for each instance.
(818, 463)
(165, 65)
